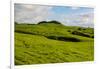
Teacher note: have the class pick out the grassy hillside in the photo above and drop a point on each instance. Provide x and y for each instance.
(52, 43)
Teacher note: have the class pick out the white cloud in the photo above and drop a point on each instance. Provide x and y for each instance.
(74, 8)
(85, 19)
(31, 13)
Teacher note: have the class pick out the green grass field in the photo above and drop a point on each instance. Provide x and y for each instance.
(52, 43)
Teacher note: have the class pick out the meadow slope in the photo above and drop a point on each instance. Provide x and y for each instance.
(52, 43)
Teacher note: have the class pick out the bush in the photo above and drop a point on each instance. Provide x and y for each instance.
(80, 33)
(92, 36)
(25, 32)
(69, 30)
(84, 29)
(62, 38)
(79, 28)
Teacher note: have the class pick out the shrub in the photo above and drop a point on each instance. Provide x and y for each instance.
(84, 29)
(92, 36)
(62, 38)
(69, 30)
(79, 28)
(80, 33)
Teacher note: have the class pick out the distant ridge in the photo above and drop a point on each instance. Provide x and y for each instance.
(55, 22)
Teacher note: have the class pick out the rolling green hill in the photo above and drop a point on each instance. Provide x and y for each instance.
(52, 43)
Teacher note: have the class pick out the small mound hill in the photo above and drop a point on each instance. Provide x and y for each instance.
(45, 22)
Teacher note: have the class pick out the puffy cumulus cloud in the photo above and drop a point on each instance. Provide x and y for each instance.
(86, 19)
(25, 13)
(75, 8)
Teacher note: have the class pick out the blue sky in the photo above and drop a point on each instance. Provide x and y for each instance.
(67, 15)
(70, 10)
